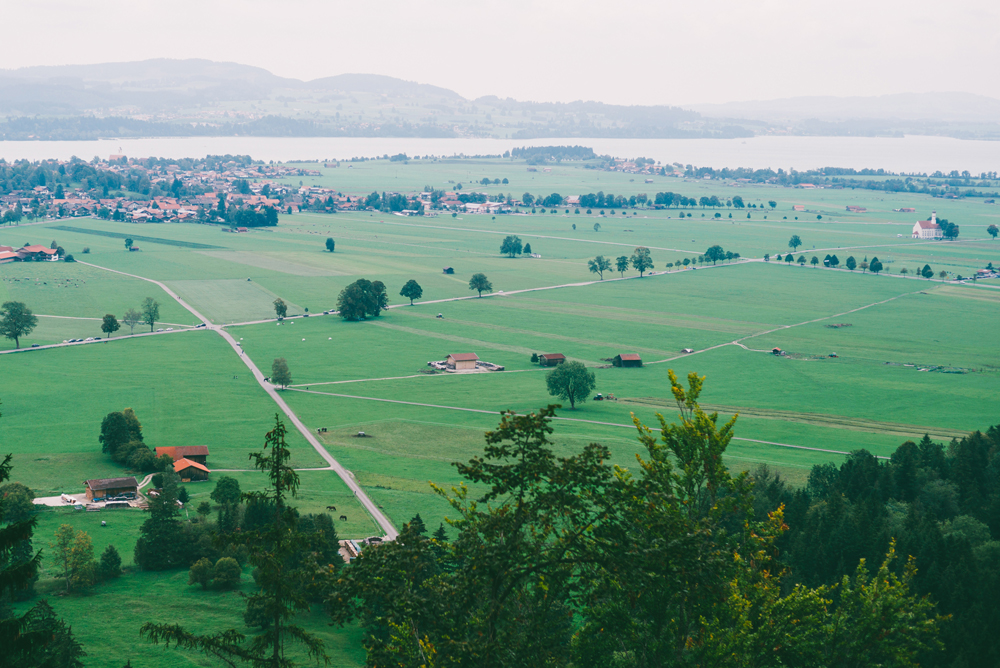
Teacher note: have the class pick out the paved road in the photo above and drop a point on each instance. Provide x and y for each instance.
(334, 465)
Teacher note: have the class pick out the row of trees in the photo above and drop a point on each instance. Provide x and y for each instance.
(121, 439)
(641, 261)
(874, 265)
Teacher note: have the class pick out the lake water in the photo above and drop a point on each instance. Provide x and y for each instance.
(907, 154)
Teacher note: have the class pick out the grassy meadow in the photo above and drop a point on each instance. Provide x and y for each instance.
(918, 357)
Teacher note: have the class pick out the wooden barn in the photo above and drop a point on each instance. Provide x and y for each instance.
(627, 359)
(551, 359)
(463, 360)
(190, 471)
(101, 488)
(196, 453)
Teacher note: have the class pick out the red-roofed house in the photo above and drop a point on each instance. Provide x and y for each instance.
(196, 453)
(36, 252)
(627, 359)
(551, 359)
(189, 470)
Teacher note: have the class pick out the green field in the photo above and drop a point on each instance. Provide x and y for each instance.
(918, 357)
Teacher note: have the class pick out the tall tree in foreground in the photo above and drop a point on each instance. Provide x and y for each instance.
(599, 265)
(411, 291)
(150, 312)
(571, 381)
(16, 320)
(273, 550)
(480, 284)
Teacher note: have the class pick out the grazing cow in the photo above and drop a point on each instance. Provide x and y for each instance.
(333, 508)
(343, 517)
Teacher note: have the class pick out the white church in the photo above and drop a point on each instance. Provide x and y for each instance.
(927, 229)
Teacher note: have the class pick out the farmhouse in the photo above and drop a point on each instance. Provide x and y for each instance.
(102, 488)
(36, 253)
(856, 209)
(627, 359)
(927, 229)
(799, 207)
(551, 359)
(190, 470)
(463, 361)
(196, 453)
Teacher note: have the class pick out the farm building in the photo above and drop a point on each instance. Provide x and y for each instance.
(856, 209)
(463, 361)
(448, 270)
(101, 488)
(551, 359)
(196, 453)
(190, 470)
(799, 207)
(627, 359)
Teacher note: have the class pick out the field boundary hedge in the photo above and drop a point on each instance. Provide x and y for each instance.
(136, 237)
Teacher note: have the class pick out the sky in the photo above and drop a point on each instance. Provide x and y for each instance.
(621, 52)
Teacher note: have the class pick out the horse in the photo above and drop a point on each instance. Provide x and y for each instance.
(334, 508)
(343, 518)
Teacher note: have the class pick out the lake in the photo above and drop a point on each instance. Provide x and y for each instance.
(906, 154)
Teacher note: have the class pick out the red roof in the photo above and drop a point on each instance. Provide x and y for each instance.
(553, 356)
(464, 357)
(630, 357)
(37, 249)
(928, 225)
(182, 464)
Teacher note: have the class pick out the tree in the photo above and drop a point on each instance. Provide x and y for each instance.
(942, 274)
(851, 263)
(411, 291)
(875, 266)
(362, 299)
(227, 573)
(814, 261)
(927, 272)
(789, 259)
(280, 308)
(131, 318)
(75, 556)
(599, 265)
(621, 264)
(527, 249)
(204, 510)
(110, 324)
(864, 266)
(200, 573)
(993, 230)
(794, 242)
(128, 243)
(771, 203)
(18, 503)
(571, 381)
(16, 321)
(121, 434)
(111, 563)
(150, 312)
(280, 375)
(715, 253)
(282, 583)
(227, 491)
(510, 246)
(597, 227)
(330, 245)
(641, 260)
(480, 284)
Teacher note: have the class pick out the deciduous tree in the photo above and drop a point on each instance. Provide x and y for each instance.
(715, 253)
(280, 375)
(599, 265)
(132, 318)
(16, 321)
(510, 246)
(150, 312)
(480, 284)
(330, 245)
(110, 324)
(621, 264)
(362, 299)
(412, 290)
(571, 381)
(200, 573)
(794, 242)
(851, 263)
(641, 260)
(280, 307)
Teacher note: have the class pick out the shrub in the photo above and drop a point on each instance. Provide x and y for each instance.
(111, 563)
(227, 573)
(200, 573)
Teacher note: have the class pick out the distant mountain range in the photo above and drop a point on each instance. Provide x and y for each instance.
(201, 97)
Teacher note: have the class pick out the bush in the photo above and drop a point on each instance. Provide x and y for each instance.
(86, 250)
(227, 573)
(534, 358)
(200, 573)
(111, 563)
(69, 258)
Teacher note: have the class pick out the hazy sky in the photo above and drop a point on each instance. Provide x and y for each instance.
(621, 51)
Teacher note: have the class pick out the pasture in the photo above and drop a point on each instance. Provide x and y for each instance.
(917, 357)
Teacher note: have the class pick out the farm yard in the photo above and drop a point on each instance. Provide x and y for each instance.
(869, 361)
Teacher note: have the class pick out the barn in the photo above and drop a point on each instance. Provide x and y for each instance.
(462, 361)
(448, 270)
(627, 359)
(196, 453)
(551, 359)
(102, 488)
(190, 470)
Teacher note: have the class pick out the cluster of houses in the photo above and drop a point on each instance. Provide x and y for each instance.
(189, 463)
